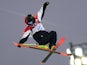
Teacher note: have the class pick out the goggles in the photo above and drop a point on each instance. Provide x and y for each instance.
(30, 23)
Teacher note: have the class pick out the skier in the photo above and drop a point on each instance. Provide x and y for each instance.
(36, 29)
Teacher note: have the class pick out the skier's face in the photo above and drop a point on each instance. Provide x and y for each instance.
(31, 24)
(30, 21)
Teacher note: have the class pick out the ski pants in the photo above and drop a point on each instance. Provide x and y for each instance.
(44, 37)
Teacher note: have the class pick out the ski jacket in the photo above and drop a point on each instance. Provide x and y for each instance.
(29, 31)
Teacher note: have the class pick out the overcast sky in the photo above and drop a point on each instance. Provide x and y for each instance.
(67, 17)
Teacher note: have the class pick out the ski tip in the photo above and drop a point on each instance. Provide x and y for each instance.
(65, 54)
(60, 42)
(15, 43)
(63, 39)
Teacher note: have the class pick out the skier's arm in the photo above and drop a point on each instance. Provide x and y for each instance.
(41, 12)
(25, 36)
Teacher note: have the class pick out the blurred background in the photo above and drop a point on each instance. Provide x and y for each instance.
(79, 54)
(67, 17)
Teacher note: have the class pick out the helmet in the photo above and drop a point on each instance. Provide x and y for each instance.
(30, 20)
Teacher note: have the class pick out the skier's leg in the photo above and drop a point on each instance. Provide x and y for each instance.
(41, 37)
(53, 38)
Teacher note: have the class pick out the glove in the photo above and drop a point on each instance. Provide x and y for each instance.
(46, 3)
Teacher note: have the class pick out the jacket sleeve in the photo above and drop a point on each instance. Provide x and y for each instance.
(25, 36)
(40, 14)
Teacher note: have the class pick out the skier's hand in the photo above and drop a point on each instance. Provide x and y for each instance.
(46, 3)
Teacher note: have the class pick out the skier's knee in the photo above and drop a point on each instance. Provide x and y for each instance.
(52, 32)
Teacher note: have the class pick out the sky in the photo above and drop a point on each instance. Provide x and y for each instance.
(67, 17)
